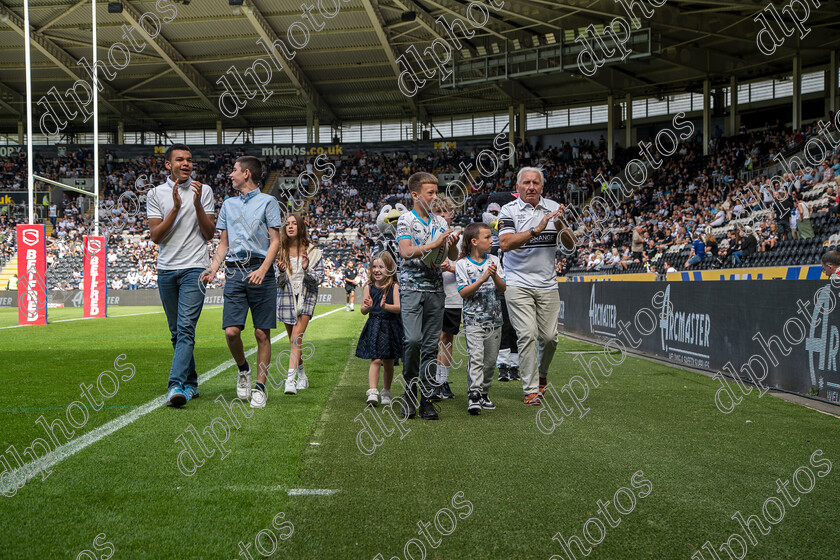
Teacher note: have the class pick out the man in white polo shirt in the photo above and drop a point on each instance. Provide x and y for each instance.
(528, 238)
(180, 214)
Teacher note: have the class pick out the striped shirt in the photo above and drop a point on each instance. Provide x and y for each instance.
(532, 265)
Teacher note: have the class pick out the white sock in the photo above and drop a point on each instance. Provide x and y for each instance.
(292, 372)
(503, 357)
(443, 374)
(513, 360)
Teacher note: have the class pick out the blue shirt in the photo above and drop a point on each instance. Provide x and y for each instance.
(699, 248)
(247, 219)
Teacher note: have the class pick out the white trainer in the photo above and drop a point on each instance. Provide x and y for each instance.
(257, 399)
(372, 397)
(291, 386)
(302, 380)
(243, 384)
(385, 397)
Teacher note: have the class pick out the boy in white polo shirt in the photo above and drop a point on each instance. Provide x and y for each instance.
(180, 214)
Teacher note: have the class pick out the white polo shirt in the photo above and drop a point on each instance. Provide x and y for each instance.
(184, 246)
(532, 265)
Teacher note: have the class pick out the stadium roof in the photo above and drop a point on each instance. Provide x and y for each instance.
(347, 70)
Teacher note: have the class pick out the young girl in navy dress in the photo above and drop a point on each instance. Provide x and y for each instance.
(381, 341)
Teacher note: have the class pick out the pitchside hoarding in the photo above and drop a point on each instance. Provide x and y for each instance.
(32, 274)
(781, 332)
(94, 283)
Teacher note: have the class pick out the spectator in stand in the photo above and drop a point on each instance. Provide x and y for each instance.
(771, 238)
(803, 224)
(735, 248)
(749, 243)
(782, 208)
(712, 246)
(698, 251)
(116, 283)
(132, 278)
(833, 202)
(638, 244)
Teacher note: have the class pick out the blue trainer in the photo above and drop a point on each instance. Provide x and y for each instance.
(191, 392)
(176, 397)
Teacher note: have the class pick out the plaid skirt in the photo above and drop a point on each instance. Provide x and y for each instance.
(286, 304)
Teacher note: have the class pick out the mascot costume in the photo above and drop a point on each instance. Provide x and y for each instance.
(386, 223)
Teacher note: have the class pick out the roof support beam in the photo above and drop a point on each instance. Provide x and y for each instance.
(391, 53)
(64, 61)
(16, 97)
(290, 67)
(173, 58)
(61, 15)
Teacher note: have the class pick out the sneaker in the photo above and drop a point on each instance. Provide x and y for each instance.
(504, 374)
(347, 307)
(291, 385)
(408, 406)
(427, 410)
(302, 381)
(385, 397)
(243, 384)
(192, 392)
(446, 392)
(486, 403)
(257, 399)
(543, 383)
(352, 308)
(176, 397)
(372, 397)
(532, 399)
(436, 394)
(513, 373)
(474, 405)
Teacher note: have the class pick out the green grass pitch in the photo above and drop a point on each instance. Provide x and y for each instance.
(523, 486)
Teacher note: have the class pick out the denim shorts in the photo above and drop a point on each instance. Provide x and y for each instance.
(240, 296)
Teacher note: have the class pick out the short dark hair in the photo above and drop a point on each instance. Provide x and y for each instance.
(253, 165)
(174, 147)
(417, 180)
(831, 257)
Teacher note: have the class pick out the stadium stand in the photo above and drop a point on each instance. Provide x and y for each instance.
(726, 195)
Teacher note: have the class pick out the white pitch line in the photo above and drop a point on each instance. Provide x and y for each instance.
(86, 318)
(311, 492)
(72, 447)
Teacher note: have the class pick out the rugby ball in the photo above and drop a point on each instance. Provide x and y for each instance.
(435, 257)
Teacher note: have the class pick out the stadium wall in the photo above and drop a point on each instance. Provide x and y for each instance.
(130, 298)
(781, 333)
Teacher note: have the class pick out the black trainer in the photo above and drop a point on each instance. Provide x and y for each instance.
(474, 406)
(513, 373)
(486, 403)
(408, 405)
(436, 394)
(427, 410)
(446, 392)
(504, 374)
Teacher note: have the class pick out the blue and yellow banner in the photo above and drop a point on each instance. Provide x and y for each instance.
(807, 272)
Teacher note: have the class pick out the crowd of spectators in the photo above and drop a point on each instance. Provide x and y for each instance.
(686, 201)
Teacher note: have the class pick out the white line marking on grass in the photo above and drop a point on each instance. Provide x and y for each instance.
(311, 492)
(86, 318)
(60, 453)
